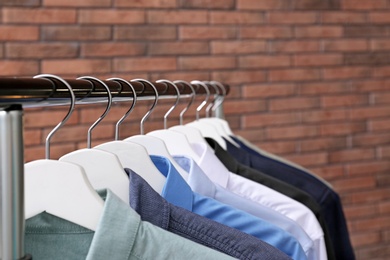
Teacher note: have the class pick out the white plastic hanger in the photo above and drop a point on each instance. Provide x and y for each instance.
(104, 170)
(207, 130)
(154, 145)
(132, 155)
(60, 188)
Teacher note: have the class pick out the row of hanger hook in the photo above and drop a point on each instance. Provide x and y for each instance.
(211, 108)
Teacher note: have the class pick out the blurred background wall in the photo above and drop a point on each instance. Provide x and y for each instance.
(310, 80)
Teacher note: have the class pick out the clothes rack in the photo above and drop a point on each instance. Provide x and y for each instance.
(17, 93)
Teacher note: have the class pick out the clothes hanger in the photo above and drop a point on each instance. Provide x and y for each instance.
(133, 155)
(154, 145)
(207, 130)
(61, 188)
(193, 134)
(214, 120)
(177, 143)
(104, 170)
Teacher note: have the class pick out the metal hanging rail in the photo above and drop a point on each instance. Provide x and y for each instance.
(16, 93)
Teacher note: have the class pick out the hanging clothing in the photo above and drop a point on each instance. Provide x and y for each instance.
(231, 163)
(328, 200)
(177, 192)
(155, 209)
(120, 235)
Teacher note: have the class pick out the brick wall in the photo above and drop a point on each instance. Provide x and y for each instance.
(310, 80)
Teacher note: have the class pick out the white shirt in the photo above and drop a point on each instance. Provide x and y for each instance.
(263, 195)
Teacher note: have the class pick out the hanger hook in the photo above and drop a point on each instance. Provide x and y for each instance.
(108, 107)
(193, 94)
(204, 102)
(153, 105)
(170, 83)
(67, 116)
(211, 105)
(120, 121)
(221, 98)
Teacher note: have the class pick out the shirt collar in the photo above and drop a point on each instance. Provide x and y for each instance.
(211, 165)
(175, 190)
(147, 202)
(223, 156)
(118, 221)
(197, 179)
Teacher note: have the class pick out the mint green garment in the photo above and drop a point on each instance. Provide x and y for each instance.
(120, 235)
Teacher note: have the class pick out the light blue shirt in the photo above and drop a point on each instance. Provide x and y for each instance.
(200, 183)
(177, 192)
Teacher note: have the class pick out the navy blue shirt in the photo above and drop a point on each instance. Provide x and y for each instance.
(156, 210)
(327, 198)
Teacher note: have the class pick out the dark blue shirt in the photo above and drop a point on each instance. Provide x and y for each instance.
(156, 210)
(327, 198)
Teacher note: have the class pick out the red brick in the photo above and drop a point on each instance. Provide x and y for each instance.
(316, 116)
(206, 32)
(295, 46)
(251, 134)
(179, 48)
(352, 184)
(296, 103)
(89, 114)
(351, 155)
(379, 44)
(75, 33)
(262, 120)
(346, 72)
(381, 251)
(360, 211)
(377, 223)
(77, 3)
(374, 58)
(292, 17)
(18, 33)
(323, 144)
(278, 147)
(269, 90)
(183, 75)
(209, 4)
(344, 101)
(56, 151)
(238, 107)
(369, 112)
(364, 31)
(236, 17)
(294, 75)
(379, 17)
(32, 137)
(370, 139)
(381, 98)
(41, 50)
(20, 68)
(264, 61)
(329, 172)
(291, 132)
(312, 159)
(365, 5)
(110, 49)
(76, 66)
(207, 62)
(336, 129)
(34, 119)
(146, 3)
(177, 17)
(145, 32)
(318, 88)
(368, 196)
(20, 2)
(38, 16)
(383, 179)
(361, 240)
(145, 64)
(381, 72)
(384, 207)
(316, 4)
(346, 45)
(239, 76)
(262, 4)
(265, 32)
(315, 31)
(238, 47)
(371, 85)
(317, 59)
(379, 125)
(343, 17)
(110, 17)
